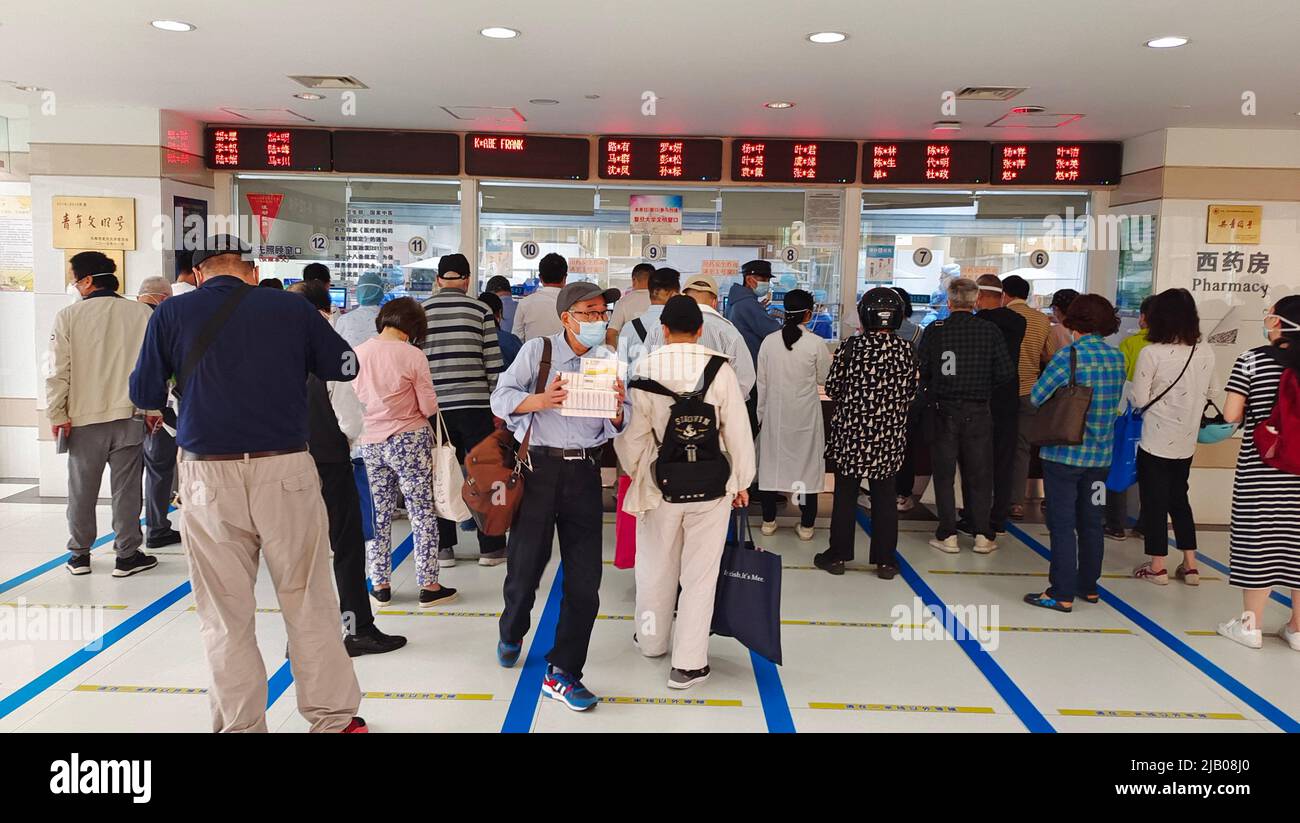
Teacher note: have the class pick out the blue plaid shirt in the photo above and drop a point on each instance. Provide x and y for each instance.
(1101, 367)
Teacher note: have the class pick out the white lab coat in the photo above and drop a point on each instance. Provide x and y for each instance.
(791, 439)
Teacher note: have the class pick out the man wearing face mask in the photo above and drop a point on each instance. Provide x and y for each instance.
(562, 491)
(744, 309)
(92, 348)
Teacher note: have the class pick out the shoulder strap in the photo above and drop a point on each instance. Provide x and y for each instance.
(640, 328)
(1074, 363)
(710, 372)
(209, 333)
(645, 384)
(543, 374)
(1170, 387)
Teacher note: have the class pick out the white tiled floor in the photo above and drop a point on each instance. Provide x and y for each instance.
(834, 678)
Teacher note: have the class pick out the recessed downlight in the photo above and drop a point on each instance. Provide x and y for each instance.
(172, 25)
(544, 101)
(307, 95)
(947, 125)
(823, 38)
(1170, 41)
(27, 88)
(499, 33)
(778, 104)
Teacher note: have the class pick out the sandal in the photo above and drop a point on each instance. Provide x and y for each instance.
(1043, 601)
(1191, 577)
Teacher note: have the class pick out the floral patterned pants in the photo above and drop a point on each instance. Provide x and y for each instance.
(402, 462)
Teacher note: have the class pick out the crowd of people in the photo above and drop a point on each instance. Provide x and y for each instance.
(260, 407)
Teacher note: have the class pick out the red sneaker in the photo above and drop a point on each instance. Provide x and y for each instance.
(357, 726)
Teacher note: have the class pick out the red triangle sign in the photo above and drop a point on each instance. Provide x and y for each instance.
(265, 207)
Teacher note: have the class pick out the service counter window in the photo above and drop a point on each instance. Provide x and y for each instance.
(919, 240)
(603, 231)
(398, 229)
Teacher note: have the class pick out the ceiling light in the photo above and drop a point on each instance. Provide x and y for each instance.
(544, 101)
(1172, 41)
(499, 32)
(592, 96)
(827, 37)
(947, 125)
(27, 88)
(307, 95)
(777, 104)
(172, 25)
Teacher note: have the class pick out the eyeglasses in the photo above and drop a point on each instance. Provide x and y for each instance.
(590, 316)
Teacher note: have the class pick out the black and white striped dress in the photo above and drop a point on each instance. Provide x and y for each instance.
(1265, 531)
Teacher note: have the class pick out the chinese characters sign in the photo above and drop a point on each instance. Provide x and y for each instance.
(659, 158)
(655, 214)
(794, 161)
(94, 222)
(1234, 224)
(921, 161)
(1231, 262)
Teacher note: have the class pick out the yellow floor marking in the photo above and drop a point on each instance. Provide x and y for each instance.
(671, 701)
(1150, 714)
(140, 689)
(902, 707)
(432, 613)
(113, 607)
(425, 696)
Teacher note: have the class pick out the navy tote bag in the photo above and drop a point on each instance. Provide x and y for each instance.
(747, 605)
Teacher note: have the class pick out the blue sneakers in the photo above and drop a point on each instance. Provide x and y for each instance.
(508, 653)
(568, 690)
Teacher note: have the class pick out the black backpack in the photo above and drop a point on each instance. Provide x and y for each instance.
(691, 467)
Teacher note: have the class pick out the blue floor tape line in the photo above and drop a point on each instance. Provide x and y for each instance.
(88, 652)
(1229, 683)
(280, 681)
(1011, 694)
(528, 689)
(776, 709)
(58, 561)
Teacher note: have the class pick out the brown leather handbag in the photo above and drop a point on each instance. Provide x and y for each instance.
(494, 479)
(1061, 420)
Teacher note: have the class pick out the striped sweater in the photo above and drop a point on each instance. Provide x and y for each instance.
(464, 357)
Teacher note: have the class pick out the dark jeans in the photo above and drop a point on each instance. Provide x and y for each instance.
(963, 430)
(1162, 487)
(159, 481)
(1006, 431)
(884, 520)
(338, 487)
(807, 510)
(561, 496)
(912, 447)
(1075, 505)
(1117, 510)
(466, 428)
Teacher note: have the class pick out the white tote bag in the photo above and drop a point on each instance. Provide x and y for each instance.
(447, 478)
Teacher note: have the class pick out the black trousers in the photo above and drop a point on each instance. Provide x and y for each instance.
(564, 497)
(807, 510)
(466, 428)
(884, 519)
(159, 480)
(1006, 431)
(963, 430)
(339, 489)
(1162, 487)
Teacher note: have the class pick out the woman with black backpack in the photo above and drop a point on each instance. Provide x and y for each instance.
(1264, 536)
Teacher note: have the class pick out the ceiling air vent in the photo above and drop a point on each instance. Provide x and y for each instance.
(268, 116)
(1032, 120)
(988, 92)
(328, 81)
(486, 114)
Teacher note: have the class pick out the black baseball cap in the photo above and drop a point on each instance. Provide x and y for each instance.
(222, 244)
(450, 264)
(682, 314)
(758, 268)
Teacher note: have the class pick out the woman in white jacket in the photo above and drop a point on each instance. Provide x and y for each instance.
(681, 543)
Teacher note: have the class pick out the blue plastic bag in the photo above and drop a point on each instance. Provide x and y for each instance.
(1123, 459)
(367, 501)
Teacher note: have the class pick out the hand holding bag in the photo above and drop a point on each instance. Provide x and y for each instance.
(494, 478)
(747, 605)
(1214, 428)
(447, 477)
(1062, 419)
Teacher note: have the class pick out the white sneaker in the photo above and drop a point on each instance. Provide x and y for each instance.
(1236, 631)
(1292, 638)
(864, 500)
(983, 545)
(768, 528)
(805, 533)
(906, 504)
(948, 546)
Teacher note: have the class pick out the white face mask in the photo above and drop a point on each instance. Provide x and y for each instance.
(1284, 325)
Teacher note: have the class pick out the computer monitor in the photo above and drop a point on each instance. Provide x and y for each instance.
(338, 296)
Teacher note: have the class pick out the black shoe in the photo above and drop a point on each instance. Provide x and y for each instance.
(821, 561)
(1116, 534)
(79, 563)
(167, 538)
(886, 571)
(682, 679)
(382, 597)
(443, 595)
(965, 527)
(134, 564)
(372, 642)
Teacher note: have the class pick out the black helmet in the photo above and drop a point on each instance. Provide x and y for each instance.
(881, 308)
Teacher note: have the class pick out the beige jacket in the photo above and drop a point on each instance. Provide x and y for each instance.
(678, 367)
(93, 350)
